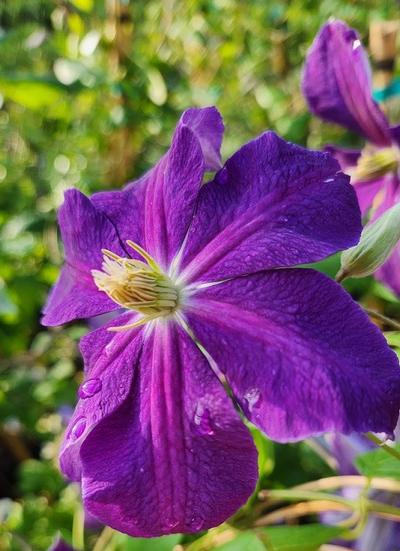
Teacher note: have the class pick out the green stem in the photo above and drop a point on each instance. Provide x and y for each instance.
(104, 539)
(295, 495)
(388, 449)
(377, 507)
(78, 530)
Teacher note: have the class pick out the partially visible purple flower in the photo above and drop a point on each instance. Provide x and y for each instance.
(337, 86)
(206, 279)
(60, 545)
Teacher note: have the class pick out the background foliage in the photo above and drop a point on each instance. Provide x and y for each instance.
(90, 91)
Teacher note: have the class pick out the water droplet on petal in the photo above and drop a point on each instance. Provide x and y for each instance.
(196, 523)
(329, 180)
(202, 420)
(356, 44)
(108, 348)
(252, 396)
(89, 388)
(78, 428)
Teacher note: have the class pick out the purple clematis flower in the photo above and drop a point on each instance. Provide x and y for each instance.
(205, 276)
(337, 86)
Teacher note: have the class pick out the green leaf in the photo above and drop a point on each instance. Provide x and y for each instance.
(265, 448)
(379, 463)
(31, 92)
(299, 538)
(164, 543)
(246, 541)
(393, 338)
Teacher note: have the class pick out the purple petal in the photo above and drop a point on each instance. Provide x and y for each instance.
(300, 356)
(60, 545)
(273, 204)
(389, 272)
(208, 126)
(155, 212)
(367, 192)
(387, 196)
(175, 456)
(337, 83)
(84, 231)
(110, 360)
(395, 133)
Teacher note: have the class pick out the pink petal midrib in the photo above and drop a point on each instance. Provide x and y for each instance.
(163, 428)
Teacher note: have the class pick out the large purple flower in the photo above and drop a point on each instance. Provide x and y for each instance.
(337, 86)
(204, 275)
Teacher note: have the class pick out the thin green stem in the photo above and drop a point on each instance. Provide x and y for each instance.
(302, 495)
(78, 530)
(388, 510)
(382, 318)
(103, 541)
(388, 449)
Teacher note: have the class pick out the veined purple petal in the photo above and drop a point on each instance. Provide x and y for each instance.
(85, 231)
(337, 83)
(164, 199)
(300, 356)
(273, 204)
(110, 362)
(175, 456)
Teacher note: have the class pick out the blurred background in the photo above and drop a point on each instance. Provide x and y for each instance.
(90, 91)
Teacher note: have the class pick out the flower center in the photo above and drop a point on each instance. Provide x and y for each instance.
(372, 165)
(137, 285)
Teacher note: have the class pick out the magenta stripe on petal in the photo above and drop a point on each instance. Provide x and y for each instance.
(175, 456)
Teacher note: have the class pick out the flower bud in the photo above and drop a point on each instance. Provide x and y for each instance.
(378, 240)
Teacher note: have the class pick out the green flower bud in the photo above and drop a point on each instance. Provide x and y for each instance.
(375, 246)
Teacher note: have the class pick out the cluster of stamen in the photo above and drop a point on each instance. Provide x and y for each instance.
(375, 164)
(136, 285)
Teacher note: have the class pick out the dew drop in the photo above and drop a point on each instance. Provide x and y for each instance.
(196, 523)
(141, 469)
(108, 349)
(252, 397)
(89, 388)
(329, 180)
(356, 44)
(202, 420)
(78, 428)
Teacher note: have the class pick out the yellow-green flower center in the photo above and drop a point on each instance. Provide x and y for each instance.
(375, 164)
(137, 285)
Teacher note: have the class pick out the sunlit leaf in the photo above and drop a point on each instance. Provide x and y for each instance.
(379, 463)
(299, 538)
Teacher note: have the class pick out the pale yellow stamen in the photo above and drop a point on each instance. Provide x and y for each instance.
(136, 285)
(375, 164)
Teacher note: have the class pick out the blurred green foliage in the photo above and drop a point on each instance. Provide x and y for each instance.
(90, 91)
